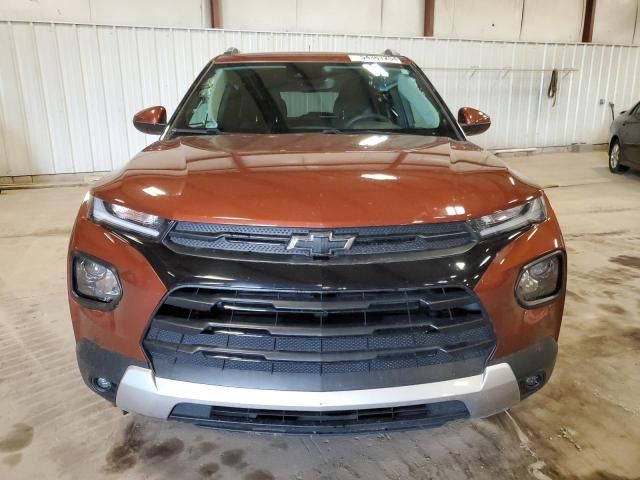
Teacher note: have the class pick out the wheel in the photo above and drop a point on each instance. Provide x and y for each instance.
(614, 158)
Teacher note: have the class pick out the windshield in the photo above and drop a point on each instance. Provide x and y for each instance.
(301, 97)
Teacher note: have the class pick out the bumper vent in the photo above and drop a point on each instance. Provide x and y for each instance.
(319, 340)
(334, 422)
(206, 239)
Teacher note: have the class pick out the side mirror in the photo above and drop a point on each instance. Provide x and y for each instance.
(151, 120)
(473, 121)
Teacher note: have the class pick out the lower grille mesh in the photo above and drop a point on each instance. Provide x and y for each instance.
(318, 334)
(303, 422)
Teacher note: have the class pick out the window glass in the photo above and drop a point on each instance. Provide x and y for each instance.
(310, 96)
(302, 103)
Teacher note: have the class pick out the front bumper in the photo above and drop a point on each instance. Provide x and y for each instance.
(137, 389)
(148, 273)
(483, 395)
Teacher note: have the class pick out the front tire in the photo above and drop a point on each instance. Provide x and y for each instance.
(614, 158)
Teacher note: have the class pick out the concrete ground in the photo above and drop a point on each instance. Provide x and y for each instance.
(584, 425)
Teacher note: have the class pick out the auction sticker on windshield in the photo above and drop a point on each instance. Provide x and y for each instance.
(374, 58)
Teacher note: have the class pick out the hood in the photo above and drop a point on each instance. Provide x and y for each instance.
(315, 180)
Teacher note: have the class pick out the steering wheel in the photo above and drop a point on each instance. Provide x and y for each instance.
(365, 116)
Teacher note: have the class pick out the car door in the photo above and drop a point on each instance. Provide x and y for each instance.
(630, 136)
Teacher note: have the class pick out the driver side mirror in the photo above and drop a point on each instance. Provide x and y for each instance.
(151, 120)
(472, 121)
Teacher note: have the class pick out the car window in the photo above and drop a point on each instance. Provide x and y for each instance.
(299, 103)
(307, 96)
(635, 110)
(417, 106)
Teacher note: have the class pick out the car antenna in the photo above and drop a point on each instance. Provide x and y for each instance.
(391, 52)
(231, 51)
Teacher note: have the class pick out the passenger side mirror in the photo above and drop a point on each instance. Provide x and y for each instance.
(472, 121)
(151, 120)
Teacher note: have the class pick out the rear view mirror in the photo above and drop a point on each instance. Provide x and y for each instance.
(472, 121)
(151, 120)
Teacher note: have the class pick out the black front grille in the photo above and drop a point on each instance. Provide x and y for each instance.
(319, 340)
(304, 422)
(207, 238)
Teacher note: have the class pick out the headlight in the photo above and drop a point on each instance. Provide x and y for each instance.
(511, 219)
(540, 280)
(95, 281)
(124, 218)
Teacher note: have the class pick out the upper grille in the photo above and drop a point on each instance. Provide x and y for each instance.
(318, 334)
(384, 240)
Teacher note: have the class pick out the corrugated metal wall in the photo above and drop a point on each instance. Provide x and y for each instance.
(68, 92)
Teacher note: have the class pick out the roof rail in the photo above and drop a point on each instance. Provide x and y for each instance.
(231, 51)
(391, 52)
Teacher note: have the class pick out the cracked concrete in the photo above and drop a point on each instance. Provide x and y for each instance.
(584, 425)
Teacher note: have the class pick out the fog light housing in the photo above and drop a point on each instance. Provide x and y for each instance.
(540, 281)
(95, 281)
(531, 383)
(103, 383)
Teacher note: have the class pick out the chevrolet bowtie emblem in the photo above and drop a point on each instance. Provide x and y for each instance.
(320, 243)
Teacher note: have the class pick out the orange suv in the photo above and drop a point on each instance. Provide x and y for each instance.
(313, 246)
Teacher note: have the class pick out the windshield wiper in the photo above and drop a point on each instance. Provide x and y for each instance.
(357, 131)
(425, 132)
(196, 131)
